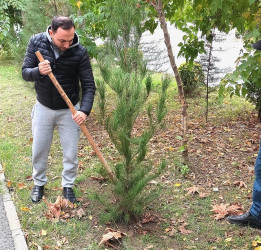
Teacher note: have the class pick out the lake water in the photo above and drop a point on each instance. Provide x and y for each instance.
(226, 51)
(154, 50)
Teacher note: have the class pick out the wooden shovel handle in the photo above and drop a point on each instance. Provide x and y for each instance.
(82, 126)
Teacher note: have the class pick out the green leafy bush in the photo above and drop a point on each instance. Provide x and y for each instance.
(192, 77)
(245, 80)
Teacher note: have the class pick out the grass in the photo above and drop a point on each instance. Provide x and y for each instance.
(216, 163)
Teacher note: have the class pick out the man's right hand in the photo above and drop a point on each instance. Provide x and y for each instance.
(44, 67)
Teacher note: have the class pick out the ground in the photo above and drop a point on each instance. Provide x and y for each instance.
(219, 177)
(222, 155)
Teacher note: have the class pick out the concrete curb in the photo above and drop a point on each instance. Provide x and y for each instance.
(14, 223)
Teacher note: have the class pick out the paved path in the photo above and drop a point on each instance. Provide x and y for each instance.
(11, 235)
(6, 238)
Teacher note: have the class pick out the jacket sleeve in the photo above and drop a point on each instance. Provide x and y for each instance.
(87, 83)
(30, 70)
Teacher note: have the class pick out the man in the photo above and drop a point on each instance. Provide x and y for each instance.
(253, 217)
(68, 60)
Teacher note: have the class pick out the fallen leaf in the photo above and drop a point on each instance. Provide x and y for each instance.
(153, 182)
(9, 184)
(21, 185)
(193, 190)
(150, 218)
(111, 237)
(43, 232)
(29, 178)
(93, 153)
(99, 179)
(25, 209)
(235, 209)
(183, 230)
(171, 231)
(256, 243)
(55, 209)
(228, 239)
(241, 184)
(222, 210)
(80, 213)
(203, 195)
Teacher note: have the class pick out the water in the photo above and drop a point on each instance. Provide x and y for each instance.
(226, 51)
(154, 50)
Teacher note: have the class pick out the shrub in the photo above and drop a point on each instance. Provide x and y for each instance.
(192, 77)
(254, 95)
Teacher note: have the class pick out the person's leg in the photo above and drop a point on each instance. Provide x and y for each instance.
(255, 209)
(69, 136)
(42, 130)
(253, 217)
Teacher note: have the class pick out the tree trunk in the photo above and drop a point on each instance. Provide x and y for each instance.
(182, 99)
(208, 74)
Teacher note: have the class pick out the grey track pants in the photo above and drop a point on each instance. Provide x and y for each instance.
(44, 120)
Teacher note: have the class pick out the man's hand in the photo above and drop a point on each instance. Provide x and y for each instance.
(44, 67)
(79, 117)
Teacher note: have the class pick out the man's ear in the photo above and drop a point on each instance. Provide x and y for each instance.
(51, 33)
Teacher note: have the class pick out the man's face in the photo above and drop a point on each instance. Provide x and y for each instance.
(62, 39)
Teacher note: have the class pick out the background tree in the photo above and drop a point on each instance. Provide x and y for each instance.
(21, 19)
(208, 62)
(203, 17)
(10, 23)
(90, 18)
(157, 4)
(124, 73)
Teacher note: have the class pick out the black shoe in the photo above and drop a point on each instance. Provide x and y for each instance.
(244, 220)
(69, 195)
(37, 193)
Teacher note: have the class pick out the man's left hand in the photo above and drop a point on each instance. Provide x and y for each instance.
(79, 117)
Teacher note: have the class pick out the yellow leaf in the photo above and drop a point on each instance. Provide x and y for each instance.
(9, 184)
(256, 243)
(25, 209)
(79, 3)
(171, 149)
(177, 184)
(43, 232)
(90, 217)
(228, 239)
(257, 248)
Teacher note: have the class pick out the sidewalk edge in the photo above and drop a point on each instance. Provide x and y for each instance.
(12, 217)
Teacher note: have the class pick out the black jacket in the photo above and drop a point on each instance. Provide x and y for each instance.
(72, 67)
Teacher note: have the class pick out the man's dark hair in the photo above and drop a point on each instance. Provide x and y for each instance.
(61, 22)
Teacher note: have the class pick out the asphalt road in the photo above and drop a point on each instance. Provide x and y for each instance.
(6, 239)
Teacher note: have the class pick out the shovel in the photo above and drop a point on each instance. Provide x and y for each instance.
(82, 126)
